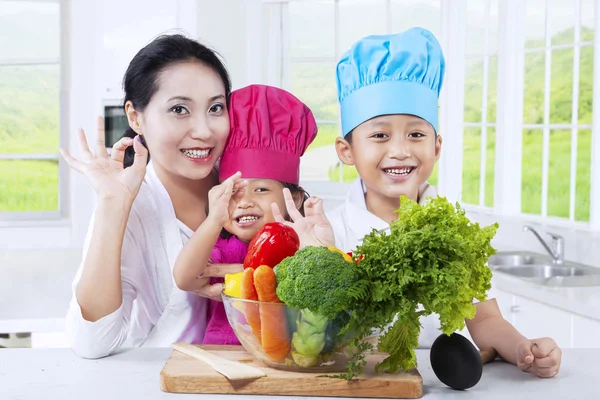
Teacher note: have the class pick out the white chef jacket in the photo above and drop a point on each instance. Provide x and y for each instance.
(154, 311)
(351, 221)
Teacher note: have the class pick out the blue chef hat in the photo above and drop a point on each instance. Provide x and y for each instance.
(391, 74)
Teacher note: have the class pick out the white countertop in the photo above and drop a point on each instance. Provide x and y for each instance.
(134, 374)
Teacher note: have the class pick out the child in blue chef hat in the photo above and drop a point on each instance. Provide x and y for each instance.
(388, 88)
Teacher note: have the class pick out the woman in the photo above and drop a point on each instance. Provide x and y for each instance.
(176, 93)
(176, 100)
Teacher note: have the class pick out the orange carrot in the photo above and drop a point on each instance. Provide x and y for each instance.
(265, 283)
(274, 332)
(251, 310)
(248, 289)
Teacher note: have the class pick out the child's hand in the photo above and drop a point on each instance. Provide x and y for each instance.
(223, 198)
(314, 229)
(541, 357)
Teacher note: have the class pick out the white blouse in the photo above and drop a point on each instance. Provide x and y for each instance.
(154, 311)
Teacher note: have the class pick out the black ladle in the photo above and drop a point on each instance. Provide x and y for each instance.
(456, 362)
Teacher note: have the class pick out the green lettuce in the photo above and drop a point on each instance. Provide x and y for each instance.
(433, 256)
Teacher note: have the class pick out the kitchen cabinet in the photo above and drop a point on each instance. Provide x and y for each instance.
(535, 320)
(505, 301)
(586, 332)
(126, 31)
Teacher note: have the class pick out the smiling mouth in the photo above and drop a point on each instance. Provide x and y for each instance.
(247, 219)
(196, 153)
(398, 171)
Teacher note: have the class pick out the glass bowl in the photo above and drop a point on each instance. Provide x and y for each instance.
(287, 338)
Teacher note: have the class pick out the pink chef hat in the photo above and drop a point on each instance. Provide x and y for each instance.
(270, 130)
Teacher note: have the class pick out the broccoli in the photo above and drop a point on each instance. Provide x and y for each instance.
(320, 280)
(309, 338)
(323, 285)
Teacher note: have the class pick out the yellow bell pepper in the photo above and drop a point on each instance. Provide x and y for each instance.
(346, 256)
(233, 284)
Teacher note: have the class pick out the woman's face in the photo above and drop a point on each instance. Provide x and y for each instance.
(186, 123)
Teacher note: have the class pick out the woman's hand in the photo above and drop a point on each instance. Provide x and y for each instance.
(216, 271)
(222, 199)
(313, 228)
(106, 174)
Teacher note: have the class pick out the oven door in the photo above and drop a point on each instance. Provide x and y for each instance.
(115, 124)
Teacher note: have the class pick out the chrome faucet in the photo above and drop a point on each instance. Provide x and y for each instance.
(557, 251)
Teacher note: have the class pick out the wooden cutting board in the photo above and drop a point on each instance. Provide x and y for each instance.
(185, 374)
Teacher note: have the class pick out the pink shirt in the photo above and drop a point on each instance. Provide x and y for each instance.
(218, 330)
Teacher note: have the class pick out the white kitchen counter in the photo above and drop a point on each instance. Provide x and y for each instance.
(578, 300)
(134, 374)
(35, 289)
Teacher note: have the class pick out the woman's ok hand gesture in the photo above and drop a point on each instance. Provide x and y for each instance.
(108, 177)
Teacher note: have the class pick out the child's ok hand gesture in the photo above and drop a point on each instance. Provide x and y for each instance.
(314, 229)
(223, 198)
(541, 357)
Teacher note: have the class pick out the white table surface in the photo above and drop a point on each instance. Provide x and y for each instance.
(134, 374)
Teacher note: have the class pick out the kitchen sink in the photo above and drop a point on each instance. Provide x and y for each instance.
(517, 258)
(541, 269)
(547, 271)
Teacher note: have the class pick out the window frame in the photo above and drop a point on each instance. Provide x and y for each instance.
(27, 217)
(485, 54)
(595, 167)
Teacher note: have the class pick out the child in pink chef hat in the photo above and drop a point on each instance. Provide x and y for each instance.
(270, 131)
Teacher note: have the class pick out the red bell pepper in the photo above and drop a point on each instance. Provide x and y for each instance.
(359, 257)
(271, 244)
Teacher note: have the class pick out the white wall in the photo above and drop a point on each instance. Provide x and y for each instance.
(238, 30)
(135, 24)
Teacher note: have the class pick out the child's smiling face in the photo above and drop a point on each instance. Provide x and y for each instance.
(393, 154)
(253, 211)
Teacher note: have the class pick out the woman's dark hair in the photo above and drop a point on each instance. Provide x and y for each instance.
(141, 78)
(294, 189)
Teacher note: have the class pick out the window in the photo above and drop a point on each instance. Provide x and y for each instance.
(516, 107)
(30, 112)
(313, 54)
(543, 81)
(557, 108)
